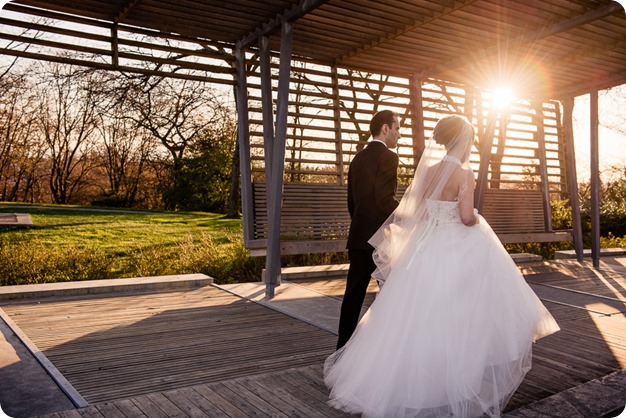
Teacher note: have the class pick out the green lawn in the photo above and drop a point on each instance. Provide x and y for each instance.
(73, 243)
(118, 232)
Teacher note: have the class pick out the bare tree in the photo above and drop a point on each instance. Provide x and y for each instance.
(612, 115)
(20, 151)
(174, 112)
(67, 118)
(124, 152)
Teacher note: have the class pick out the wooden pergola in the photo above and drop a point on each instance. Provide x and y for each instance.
(310, 73)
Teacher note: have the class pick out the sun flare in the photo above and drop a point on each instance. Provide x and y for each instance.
(502, 97)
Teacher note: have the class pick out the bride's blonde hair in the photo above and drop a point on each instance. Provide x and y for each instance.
(456, 134)
(449, 127)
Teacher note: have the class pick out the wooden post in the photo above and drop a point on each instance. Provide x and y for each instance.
(540, 137)
(337, 122)
(496, 163)
(595, 179)
(486, 142)
(115, 56)
(268, 108)
(417, 121)
(560, 129)
(275, 192)
(572, 182)
(243, 137)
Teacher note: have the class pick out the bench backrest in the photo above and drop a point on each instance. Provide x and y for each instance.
(315, 217)
(512, 211)
(310, 211)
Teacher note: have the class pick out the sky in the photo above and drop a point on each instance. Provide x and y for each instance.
(612, 145)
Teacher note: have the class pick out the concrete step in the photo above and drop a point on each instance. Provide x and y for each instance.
(30, 291)
(339, 270)
(604, 252)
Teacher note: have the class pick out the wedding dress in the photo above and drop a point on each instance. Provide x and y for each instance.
(450, 332)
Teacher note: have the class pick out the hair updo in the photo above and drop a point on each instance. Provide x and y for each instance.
(448, 128)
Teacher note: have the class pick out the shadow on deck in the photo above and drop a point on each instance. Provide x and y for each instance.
(212, 351)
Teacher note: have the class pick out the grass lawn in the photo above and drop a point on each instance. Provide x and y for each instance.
(116, 243)
(117, 232)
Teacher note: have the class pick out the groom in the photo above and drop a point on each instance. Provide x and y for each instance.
(372, 181)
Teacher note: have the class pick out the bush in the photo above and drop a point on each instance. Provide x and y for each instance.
(227, 261)
(35, 262)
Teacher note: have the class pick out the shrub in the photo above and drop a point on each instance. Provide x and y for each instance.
(35, 262)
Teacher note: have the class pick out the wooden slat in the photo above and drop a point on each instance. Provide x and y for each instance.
(514, 211)
(318, 212)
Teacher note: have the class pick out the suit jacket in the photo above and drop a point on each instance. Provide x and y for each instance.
(372, 183)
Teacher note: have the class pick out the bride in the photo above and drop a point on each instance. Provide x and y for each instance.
(451, 331)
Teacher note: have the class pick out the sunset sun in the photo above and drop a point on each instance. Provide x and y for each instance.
(502, 97)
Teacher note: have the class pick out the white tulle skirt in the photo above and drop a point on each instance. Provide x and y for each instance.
(450, 333)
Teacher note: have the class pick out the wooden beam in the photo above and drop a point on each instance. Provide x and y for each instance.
(115, 50)
(543, 169)
(595, 178)
(266, 29)
(337, 124)
(267, 107)
(605, 83)
(125, 10)
(570, 167)
(272, 265)
(103, 66)
(243, 137)
(486, 142)
(496, 163)
(525, 39)
(417, 120)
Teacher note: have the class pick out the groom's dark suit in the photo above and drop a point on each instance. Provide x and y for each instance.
(372, 182)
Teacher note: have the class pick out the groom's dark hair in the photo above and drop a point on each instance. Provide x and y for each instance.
(384, 117)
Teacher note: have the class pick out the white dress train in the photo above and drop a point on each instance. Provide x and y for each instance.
(450, 333)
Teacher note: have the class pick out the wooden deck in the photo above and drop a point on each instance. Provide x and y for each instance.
(122, 346)
(206, 352)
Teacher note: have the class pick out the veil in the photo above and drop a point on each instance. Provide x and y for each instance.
(406, 229)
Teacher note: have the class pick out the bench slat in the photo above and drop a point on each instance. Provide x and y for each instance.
(315, 217)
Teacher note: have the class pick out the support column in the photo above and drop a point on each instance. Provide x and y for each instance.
(337, 121)
(572, 181)
(243, 137)
(543, 166)
(115, 51)
(486, 142)
(267, 107)
(275, 192)
(417, 121)
(496, 161)
(595, 179)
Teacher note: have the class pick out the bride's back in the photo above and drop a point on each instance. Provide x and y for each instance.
(458, 178)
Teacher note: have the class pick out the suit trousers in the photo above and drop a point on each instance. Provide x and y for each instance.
(359, 274)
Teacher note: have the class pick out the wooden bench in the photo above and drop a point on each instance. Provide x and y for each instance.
(517, 216)
(315, 218)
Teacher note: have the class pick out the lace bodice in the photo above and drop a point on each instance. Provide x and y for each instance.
(442, 211)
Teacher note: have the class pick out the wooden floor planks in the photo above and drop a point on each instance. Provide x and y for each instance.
(160, 343)
(199, 353)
